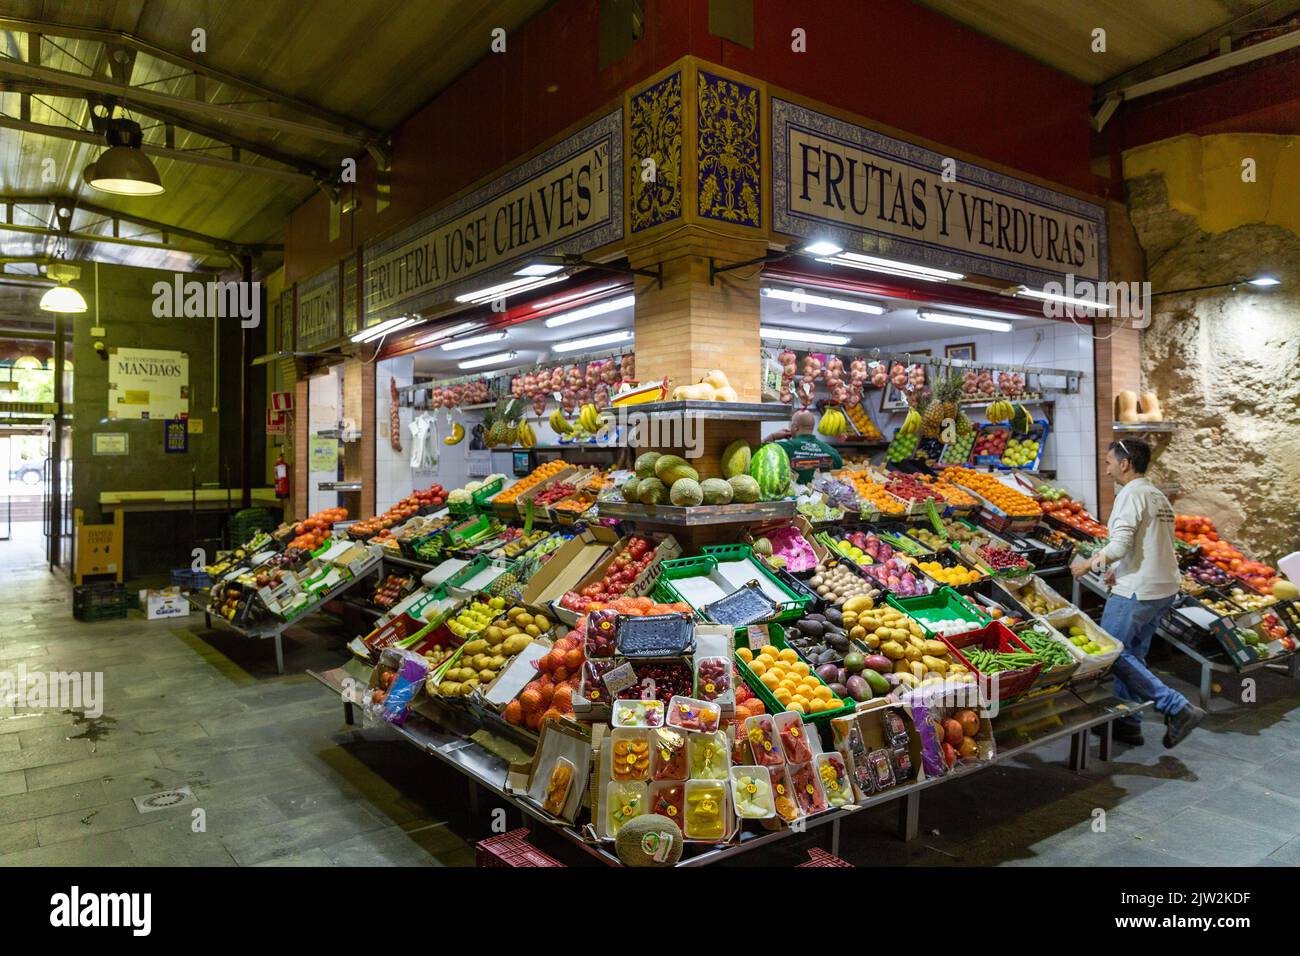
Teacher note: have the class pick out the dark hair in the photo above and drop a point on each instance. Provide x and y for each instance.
(1135, 451)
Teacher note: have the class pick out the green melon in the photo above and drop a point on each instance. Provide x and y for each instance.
(716, 491)
(770, 467)
(651, 491)
(685, 492)
(629, 489)
(670, 469)
(645, 464)
(651, 839)
(735, 459)
(744, 489)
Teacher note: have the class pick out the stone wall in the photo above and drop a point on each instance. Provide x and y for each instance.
(1226, 366)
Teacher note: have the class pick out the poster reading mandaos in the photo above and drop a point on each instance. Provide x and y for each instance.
(885, 196)
(148, 383)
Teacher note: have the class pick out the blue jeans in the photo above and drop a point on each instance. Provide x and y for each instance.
(1134, 622)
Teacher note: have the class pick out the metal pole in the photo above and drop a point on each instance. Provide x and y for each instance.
(55, 490)
(246, 400)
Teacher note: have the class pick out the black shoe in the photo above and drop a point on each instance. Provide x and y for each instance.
(1179, 725)
(1123, 732)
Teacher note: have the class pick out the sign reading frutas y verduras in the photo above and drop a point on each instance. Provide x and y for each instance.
(148, 383)
(318, 310)
(567, 199)
(885, 196)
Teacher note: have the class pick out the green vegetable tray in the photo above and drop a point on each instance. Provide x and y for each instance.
(467, 531)
(1004, 686)
(942, 604)
(776, 636)
(1054, 677)
(480, 497)
(790, 604)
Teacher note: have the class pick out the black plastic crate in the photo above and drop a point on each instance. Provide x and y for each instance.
(99, 602)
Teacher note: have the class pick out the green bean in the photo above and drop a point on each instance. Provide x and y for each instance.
(1052, 652)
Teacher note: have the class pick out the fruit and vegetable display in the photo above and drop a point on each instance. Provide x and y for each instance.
(531, 480)
(837, 584)
(1002, 559)
(820, 640)
(958, 575)
(1010, 501)
(1200, 531)
(483, 658)
(1250, 601)
(791, 680)
(992, 443)
(898, 576)
(714, 387)
(1049, 650)
(1020, 452)
(1074, 514)
(312, 532)
(911, 488)
(621, 573)
(435, 496)
(1086, 642)
(392, 589)
(930, 539)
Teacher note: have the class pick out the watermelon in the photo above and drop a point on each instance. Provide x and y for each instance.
(685, 492)
(770, 467)
(670, 469)
(735, 459)
(716, 491)
(651, 491)
(645, 464)
(629, 490)
(744, 489)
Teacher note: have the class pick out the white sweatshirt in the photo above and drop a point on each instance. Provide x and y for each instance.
(1141, 546)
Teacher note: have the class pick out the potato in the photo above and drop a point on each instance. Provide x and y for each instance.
(532, 631)
(475, 647)
(449, 688)
(891, 649)
(936, 648)
(902, 667)
(487, 675)
(542, 623)
(513, 645)
(523, 620)
(494, 635)
(934, 664)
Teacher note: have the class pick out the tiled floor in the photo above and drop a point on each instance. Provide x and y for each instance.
(281, 780)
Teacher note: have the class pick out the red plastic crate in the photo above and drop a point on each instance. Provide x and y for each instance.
(819, 857)
(996, 637)
(511, 849)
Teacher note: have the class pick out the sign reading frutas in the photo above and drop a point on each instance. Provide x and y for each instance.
(148, 383)
(567, 199)
(892, 198)
(318, 310)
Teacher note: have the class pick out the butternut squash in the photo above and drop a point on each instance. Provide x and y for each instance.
(725, 394)
(717, 378)
(1149, 408)
(1126, 407)
(700, 392)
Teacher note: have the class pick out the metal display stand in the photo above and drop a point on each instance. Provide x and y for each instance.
(1018, 729)
(1211, 662)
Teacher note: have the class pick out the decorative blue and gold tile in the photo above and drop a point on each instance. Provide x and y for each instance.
(729, 148)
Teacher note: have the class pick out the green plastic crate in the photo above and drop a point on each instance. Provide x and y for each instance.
(776, 635)
(790, 609)
(464, 532)
(943, 604)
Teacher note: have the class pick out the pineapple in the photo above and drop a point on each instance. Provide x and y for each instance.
(944, 404)
(498, 429)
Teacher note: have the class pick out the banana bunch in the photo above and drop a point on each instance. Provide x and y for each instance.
(833, 423)
(526, 437)
(911, 424)
(457, 435)
(559, 424)
(1001, 411)
(589, 418)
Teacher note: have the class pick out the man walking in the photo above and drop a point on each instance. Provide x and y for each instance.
(1141, 567)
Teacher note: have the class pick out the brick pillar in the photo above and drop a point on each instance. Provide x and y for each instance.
(689, 326)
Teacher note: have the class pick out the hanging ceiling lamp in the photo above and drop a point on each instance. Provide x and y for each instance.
(63, 298)
(123, 169)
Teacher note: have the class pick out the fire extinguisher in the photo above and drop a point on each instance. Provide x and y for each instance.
(281, 477)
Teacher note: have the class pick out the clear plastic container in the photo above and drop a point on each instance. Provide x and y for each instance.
(751, 793)
(764, 742)
(783, 798)
(794, 737)
(807, 787)
(629, 754)
(668, 758)
(712, 678)
(710, 756)
(882, 771)
(668, 799)
(637, 713)
(834, 776)
(591, 686)
(706, 809)
(601, 635)
(687, 713)
(623, 801)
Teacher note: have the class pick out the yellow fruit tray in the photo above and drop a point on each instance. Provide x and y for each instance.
(776, 637)
(650, 392)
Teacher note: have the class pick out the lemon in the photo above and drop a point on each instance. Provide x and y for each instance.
(770, 680)
(759, 668)
(745, 654)
(789, 655)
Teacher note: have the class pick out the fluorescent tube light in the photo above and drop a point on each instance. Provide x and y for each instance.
(966, 321)
(1068, 299)
(1263, 282)
(506, 289)
(384, 328)
(538, 269)
(476, 340)
(893, 266)
(848, 305)
(591, 311)
(796, 335)
(580, 294)
(823, 247)
(496, 359)
(593, 341)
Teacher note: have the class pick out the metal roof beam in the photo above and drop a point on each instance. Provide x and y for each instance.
(1207, 44)
(137, 95)
(122, 38)
(180, 155)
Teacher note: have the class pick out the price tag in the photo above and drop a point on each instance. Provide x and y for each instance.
(619, 678)
(758, 636)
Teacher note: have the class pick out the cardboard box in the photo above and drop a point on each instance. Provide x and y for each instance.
(666, 550)
(566, 567)
(169, 602)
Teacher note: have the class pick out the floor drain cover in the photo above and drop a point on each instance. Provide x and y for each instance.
(164, 799)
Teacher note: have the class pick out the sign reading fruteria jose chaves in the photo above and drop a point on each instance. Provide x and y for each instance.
(567, 199)
(318, 309)
(874, 193)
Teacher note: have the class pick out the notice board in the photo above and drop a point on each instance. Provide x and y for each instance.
(148, 384)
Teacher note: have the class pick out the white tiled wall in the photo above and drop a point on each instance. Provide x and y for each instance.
(394, 478)
(324, 398)
(1071, 447)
